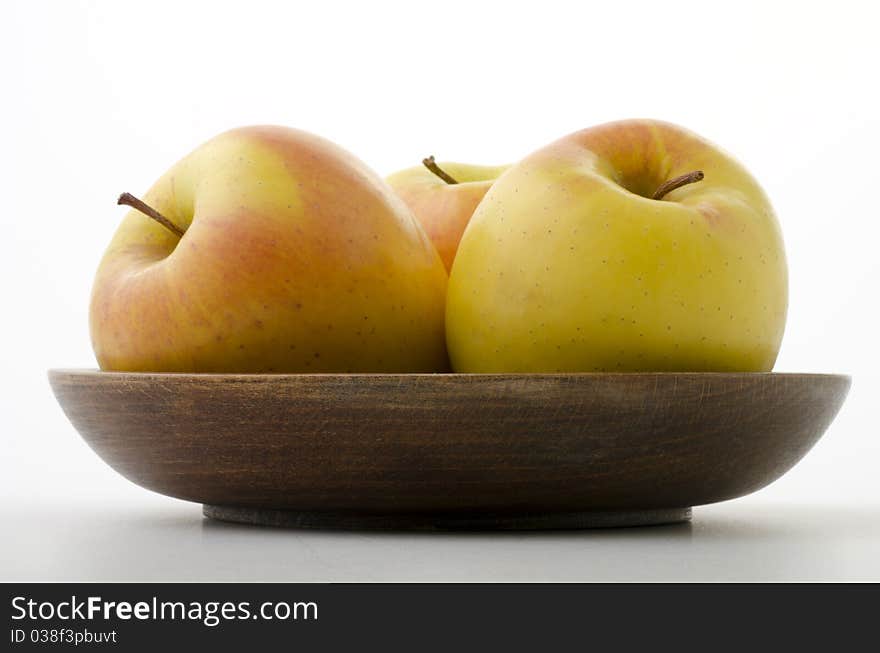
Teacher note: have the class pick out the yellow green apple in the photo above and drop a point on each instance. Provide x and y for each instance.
(443, 197)
(630, 246)
(269, 250)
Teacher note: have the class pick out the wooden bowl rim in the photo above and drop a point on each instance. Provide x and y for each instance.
(442, 375)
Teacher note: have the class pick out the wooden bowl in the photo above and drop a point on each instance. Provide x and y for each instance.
(429, 451)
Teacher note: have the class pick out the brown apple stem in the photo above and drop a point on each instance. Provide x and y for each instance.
(431, 165)
(677, 182)
(128, 199)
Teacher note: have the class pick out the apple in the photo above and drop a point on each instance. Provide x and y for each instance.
(631, 246)
(269, 250)
(443, 197)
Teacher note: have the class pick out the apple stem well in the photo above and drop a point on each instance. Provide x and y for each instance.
(431, 165)
(677, 182)
(127, 199)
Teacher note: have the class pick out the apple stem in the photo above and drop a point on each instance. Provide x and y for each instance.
(677, 182)
(431, 165)
(127, 199)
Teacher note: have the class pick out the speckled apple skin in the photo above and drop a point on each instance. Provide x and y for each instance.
(568, 266)
(296, 258)
(444, 209)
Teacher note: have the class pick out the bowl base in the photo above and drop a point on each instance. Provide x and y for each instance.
(338, 520)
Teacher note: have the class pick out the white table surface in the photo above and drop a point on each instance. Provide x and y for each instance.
(159, 539)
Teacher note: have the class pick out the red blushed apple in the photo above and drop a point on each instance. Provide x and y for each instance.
(269, 249)
(443, 198)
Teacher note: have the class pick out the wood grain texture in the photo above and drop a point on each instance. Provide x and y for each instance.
(451, 444)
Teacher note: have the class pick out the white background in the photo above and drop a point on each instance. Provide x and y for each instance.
(102, 97)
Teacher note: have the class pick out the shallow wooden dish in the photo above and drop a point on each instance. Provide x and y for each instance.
(448, 450)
